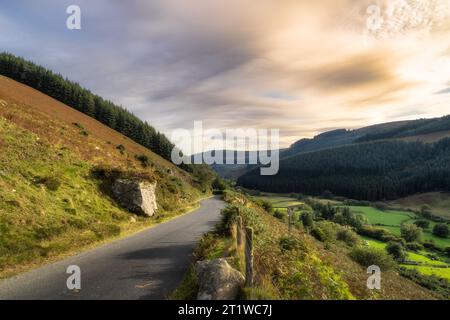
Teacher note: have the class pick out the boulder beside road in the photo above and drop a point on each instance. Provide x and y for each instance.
(218, 280)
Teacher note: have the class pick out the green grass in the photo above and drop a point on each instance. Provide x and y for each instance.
(440, 242)
(427, 267)
(387, 218)
(426, 236)
(439, 272)
(51, 205)
(211, 246)
(279, 201)
(423, 259)
(392, 219)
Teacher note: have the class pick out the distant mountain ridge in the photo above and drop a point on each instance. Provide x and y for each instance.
(379, 170)
(389, 130)
(425, 130)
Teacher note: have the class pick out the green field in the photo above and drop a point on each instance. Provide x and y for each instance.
(392, 219)
(279, 202)
(385, 218)
(439, 272)
(427, 266)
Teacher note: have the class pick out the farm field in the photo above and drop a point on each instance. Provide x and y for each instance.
(419, 257)
(279, 201)
(392, 219)
(385, 218)
(429, 271)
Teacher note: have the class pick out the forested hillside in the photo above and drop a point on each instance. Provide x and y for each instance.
(369, 171)
(73, 95)
(384, 131)
(426, 130)
(409, 129)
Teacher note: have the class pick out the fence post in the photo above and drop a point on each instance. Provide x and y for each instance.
(239, 233)
(249, 257)
(290, 219)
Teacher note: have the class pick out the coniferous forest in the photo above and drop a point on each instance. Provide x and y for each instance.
(366, 171)
(73, 95)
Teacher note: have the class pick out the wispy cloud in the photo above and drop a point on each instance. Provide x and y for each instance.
(295, 65)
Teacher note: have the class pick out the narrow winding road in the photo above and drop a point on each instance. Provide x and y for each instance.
(148, 265)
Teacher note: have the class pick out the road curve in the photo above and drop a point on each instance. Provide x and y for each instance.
(147, 265)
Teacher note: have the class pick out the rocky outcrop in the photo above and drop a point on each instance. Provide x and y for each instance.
(136, 196)
(218, 280)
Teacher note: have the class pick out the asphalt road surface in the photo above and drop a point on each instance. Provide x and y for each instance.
(148, 265)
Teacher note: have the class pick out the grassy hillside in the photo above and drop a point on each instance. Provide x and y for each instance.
(424, 260)
(295, 266)
(51, 201)
(409, 129)
(437, 202)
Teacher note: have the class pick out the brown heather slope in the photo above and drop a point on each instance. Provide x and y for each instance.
(24, 99)
(51, 205)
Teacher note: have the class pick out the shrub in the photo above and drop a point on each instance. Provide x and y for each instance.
(351, 202)
(79, 126)
(318, 233)
(425, 211)
(348, 236)
(411, 232)
(229, 217)
(121, 148)
(266, 205)
(307, 219)
(424, 224)
(330, 229)
(447, 251)
(414, 246)
(381, 206)
(144, 160)
(429, 244)
(377, 233)
(347, 218)
(396, 250)
(219, 184)
(441, 230)
(50, 182)
(368, 256)
(357, 221)
(287, 243)
(280, 215)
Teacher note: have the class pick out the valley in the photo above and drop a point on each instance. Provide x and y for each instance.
(375, 195)
(431, 258)
(315, 259)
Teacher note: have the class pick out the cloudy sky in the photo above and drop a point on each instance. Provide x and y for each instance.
(298, 65)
